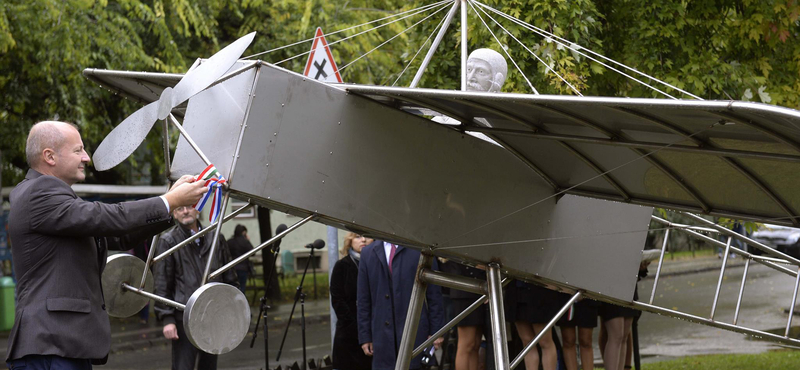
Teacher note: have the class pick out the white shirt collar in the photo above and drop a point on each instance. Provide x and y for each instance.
(387, 249)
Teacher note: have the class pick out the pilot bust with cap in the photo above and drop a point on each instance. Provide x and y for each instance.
(486, 71)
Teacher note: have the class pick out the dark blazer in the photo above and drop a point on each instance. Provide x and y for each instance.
(60, 308)
(383, 303)
(347, 352)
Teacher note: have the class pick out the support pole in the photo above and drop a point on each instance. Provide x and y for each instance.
(464, 30)
(721, 274)
(498, 317)
(214, 242)
(167, 164)
(435, 44)
(741, 291)
(794, 301)
(474, 306)
(413, 314)
(255, 250)
(149, 261)
(745, 239)
(200, 233)
(660, 262)
(154, 297)
(452, 281)
(189, 139)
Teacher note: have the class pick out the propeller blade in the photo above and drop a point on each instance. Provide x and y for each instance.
(125, 138)
(209, 71)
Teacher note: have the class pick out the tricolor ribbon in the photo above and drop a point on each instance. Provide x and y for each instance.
(571, 312)
(214, 181)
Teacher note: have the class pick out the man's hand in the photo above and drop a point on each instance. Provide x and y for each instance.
(367, 347)
(438, 342)
(185, 192)
(182, 180)
(170, 332)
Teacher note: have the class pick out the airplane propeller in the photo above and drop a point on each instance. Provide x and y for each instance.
(128, 135)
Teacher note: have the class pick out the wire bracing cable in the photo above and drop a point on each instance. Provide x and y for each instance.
(393, 37)
(415, 10)
(504, 49)
(442, 6)
(559, 41)
(531, 52)
(419, 50)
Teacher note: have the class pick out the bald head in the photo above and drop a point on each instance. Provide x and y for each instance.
(43, 135)
(55, 148)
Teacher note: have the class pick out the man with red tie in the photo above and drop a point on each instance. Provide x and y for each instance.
(385, 279)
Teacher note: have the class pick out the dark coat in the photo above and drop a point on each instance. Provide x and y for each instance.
(347, 352)
(239, 245)
(383, 303)
(60, 307)
(178, 275)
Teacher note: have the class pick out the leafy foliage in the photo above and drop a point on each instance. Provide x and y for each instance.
(45, 44)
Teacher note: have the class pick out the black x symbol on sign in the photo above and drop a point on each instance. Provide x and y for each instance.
(320, 69)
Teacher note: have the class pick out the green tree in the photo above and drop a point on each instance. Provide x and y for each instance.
(744, 50)
(46, 44)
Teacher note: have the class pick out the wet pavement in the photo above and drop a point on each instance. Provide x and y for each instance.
(767, 295)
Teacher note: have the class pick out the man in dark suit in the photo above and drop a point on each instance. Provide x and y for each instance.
(61, 321)
(386, 277)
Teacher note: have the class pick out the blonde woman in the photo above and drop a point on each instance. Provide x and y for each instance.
(347, 352)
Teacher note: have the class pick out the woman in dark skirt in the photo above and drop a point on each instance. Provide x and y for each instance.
(582, 317)
(471, 328)
(617, 322)
(347, 352)
(530, 307)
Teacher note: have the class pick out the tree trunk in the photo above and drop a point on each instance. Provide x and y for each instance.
(271, 288)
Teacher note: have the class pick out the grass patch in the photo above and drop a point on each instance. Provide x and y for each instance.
(684, 255)
(774, 360)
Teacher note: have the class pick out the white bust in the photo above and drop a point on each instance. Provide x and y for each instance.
(486, 71)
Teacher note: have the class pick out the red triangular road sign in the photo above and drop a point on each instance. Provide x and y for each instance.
(320, 65)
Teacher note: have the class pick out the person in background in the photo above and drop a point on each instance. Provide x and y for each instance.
(472, 328)
(239, 244)
(530, 307)
(584, 320)
(347, 353)
(386, 276)
(178, 276)
(616, 327)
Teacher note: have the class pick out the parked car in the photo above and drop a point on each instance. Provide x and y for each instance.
(782, 238)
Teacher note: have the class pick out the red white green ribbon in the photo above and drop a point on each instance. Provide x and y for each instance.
(214, 181)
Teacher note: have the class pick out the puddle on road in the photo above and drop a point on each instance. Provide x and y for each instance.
(794, 332)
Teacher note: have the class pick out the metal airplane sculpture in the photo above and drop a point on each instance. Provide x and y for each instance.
(564, 199)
